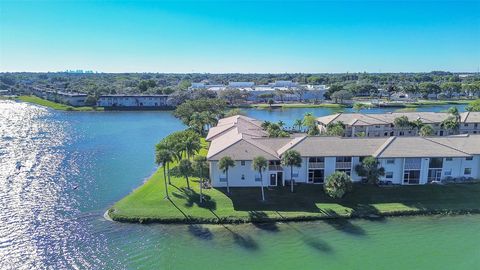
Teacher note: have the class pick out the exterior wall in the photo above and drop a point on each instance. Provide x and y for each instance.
(329, 166)
(132, 101)
(396, 169)
(235, 175)
(244, 175)
(470, 128)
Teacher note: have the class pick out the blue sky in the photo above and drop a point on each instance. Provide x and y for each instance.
(246, 36)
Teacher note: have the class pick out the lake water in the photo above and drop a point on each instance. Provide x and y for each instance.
(60, 171)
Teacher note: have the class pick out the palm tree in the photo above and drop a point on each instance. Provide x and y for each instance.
(163, 157)
(450, 124)
(454, 112)
(291, 158)
(185, 168)
(224, 164)
(191, 143)
(426, 130)
(167, 145)
(265, 124)
(259, 164)
(281, 124)
(401, 122)
(200, 166)
(298, 124)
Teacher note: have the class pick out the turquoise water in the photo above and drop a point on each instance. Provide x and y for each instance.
(60, 171)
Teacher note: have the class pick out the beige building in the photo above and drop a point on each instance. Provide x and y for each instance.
(381, 125)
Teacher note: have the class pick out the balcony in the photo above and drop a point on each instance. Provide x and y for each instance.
(316, 165)
(275, 168)
(343, 165)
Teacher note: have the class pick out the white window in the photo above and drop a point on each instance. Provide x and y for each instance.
(469, 158)
(447, 172)
(389, 175)
(242, 162)
(448, 159)
(243, 176)
(390, 161)
(467, 171)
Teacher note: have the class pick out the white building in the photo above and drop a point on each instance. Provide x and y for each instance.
(133, 101)
(407, 160)
(241, 84)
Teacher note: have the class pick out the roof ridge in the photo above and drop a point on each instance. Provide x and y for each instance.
(384, 146)
(448, 146)
(295, 141)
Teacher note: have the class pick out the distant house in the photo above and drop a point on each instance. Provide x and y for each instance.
(406, 160)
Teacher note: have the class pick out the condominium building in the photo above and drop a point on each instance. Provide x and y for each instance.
(381, 125)
(406, 160)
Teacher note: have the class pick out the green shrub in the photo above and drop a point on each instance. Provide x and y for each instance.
(338, 184)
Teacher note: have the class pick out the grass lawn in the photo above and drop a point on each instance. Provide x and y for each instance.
(308, 202)
(55, 105)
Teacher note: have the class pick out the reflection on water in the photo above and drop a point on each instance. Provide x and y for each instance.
(60, 171)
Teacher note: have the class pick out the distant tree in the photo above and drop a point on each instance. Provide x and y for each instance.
(450, 88)
(370, 169)
(200, 113)
(260, 164)
(224, 164)
(338, 184)
(426, 130)
(185, 169)
(91, 100)
(332, 89)
(232, 95)
(200, 167)
(270, 102)
(291, 158)
(143, 86)
(341, 95)
(163, 157)
(184, 84)
(427, 88)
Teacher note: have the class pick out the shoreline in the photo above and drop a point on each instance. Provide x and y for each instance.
(227, 221)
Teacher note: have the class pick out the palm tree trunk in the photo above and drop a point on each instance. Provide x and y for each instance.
(168, 169)
(228, 188)
(201, 181)
(291, 178)
(165, 181)
(188, 182)
(261, 183)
